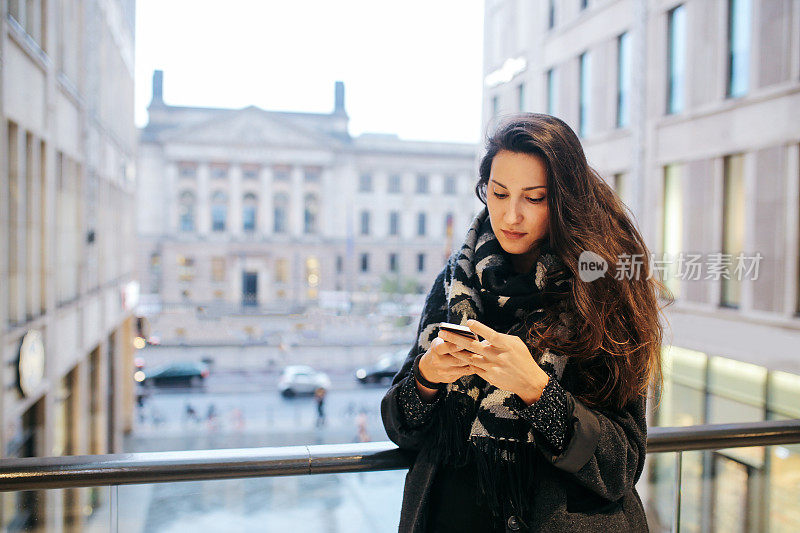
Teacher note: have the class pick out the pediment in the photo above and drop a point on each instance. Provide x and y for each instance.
(248, 126)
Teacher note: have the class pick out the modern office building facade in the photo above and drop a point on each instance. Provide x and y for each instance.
(690, 110)
(254, 208)
(67, 146)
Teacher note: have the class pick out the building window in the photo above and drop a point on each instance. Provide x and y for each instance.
(733, 223)
(676, 58)
(420, 262)
(585, 88)
(552, 92)
(623, 80)
(394, 184)
(281, 270)
(32, 16)
(739, 13)
(217, 269)
(364, 262)
(551, 14)
(521, 97)
(339, 264)
(312, 174)
(281, 173)
(365, 183)
(393, 262)
(186, 211)
(365, 222)
(250, 172)
(495, 106)
(312, 277)
(584, 4)
(280, 203)
(394, 223)
(219, 171)
(155, 272)
(421, 224)
(185, 268)
(219, 211)
(249, 212)
(621, 186)
(422, 183)
(672, 226)
(448, 225)
(310, 214)
(187, 170)
(450, 185)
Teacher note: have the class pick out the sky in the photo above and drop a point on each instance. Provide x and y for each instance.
(413, 68)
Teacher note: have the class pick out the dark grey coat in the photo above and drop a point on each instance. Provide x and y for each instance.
(587, 488)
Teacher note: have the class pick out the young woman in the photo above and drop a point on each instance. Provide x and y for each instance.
(539, 426)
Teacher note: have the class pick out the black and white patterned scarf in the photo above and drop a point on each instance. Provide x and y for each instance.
(478, 421)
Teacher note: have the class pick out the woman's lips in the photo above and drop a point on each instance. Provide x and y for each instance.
(512, 235)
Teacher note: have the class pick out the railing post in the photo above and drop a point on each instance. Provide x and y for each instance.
(113, 509)
(676, 511)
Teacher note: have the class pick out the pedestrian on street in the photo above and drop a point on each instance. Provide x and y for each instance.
(361, 424)
(533, 419)
(319, 397)
(190, 413)
(211, 417)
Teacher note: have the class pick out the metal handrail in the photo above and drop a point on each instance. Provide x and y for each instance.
(33, 473)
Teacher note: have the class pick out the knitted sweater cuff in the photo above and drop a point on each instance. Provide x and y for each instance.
(549, 414)
(416, 411)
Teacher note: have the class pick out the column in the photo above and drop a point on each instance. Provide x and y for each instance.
(235, 200)
(265, 212)
(172, 197)
(33, 223)
(296, 206)
(203, 205)
(17, 240)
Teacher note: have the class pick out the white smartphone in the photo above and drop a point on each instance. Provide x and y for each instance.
(458, 329)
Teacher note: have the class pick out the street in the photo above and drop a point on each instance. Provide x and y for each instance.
(246, 410)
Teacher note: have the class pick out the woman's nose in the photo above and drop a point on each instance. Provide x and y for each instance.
(512, 215)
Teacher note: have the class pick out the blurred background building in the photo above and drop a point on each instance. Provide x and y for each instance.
(260, 209)
(66, 247)
(691, 111)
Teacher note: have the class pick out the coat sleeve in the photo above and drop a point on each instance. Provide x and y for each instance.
(406, 416)
(604, 450)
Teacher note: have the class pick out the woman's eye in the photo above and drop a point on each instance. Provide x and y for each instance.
(501, 196)
(536, 200)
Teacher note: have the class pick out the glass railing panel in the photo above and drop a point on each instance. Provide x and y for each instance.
(87, 509)
(334, 503)
(656, 488)
(729, 490)
(783, 488)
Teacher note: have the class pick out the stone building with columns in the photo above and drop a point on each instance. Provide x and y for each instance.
(255, 208)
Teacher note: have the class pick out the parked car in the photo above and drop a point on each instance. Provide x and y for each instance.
(179, 373)
(301, 379)
(384, 370)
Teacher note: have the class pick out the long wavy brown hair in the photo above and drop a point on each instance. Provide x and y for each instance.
(616, 335)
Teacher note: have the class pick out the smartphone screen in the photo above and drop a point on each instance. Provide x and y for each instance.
(458, 329)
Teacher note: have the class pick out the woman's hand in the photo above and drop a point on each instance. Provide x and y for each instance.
(502, 360)
(440, 363)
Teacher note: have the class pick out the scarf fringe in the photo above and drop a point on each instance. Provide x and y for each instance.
(505, 468)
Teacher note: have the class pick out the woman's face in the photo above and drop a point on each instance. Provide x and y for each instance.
(516, 199)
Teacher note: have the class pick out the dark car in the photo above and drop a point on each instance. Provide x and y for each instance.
(181, 373)
(384, 370)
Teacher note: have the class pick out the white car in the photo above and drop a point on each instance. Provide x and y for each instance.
(301, 379)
